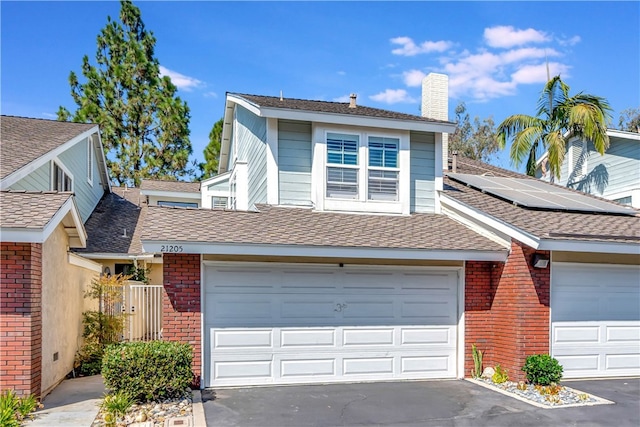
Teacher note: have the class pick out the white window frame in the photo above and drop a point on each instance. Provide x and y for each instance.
(57, 163)
(321, 202)
(213, 202)
(395, 169)
(344, 166)
(90, 156)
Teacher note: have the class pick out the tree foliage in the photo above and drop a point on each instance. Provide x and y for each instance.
(476, 141)
(144, 125)
(630, 120)
(212, 151)
(559, 117)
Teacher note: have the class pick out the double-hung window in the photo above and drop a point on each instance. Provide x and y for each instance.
(342, 166)
(383, 168)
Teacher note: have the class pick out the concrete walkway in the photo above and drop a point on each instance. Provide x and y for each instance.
(73, 403)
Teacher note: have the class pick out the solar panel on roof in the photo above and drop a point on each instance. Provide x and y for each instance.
(538, 194)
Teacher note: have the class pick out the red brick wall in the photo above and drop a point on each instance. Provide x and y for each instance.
(21, 317)
(181, 304)
(507, 310)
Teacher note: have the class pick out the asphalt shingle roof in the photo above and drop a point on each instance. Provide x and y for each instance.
(122, 209)
(546, 224)
(175, 186)
(331, 107)
(299, 226)
(23, 140)
(33, 210)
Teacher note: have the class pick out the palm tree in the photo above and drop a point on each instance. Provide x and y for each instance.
(559, 118)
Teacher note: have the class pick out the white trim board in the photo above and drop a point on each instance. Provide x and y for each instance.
(83, 262)
(320, 251)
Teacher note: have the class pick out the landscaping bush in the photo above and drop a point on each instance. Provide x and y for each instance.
(14, 409)
(500, 375)
(148, 370)
(542, 369)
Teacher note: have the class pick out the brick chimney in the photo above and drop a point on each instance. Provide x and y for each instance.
(435, 105)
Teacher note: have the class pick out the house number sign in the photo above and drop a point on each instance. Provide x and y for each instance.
(171, 248)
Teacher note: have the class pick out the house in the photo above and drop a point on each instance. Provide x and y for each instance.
(52, 176)
(614, 175)
(336, 245)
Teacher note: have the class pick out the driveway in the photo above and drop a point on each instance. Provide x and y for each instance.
(419, 403)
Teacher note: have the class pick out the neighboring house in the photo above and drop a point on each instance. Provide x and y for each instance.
(614, 175)
(52, 176)
(345, 253)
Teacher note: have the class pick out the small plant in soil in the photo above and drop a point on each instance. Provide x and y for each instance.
(477, 361)
(542, 369)
(500, 375)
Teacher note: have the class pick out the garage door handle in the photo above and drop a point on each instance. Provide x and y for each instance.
(340, 307)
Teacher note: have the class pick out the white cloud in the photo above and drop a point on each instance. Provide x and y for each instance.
(528, 74)
(343, 98)
(413, 78)
(409, 47)
(49, 115)
(392, 96)
(508, 36)
(571, 41)
(210, 95)
(342, 73)
(180, 80)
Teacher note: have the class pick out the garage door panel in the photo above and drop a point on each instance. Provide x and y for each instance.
(596, 319)
(424, 336)
(329, 324)
(307, 338)
(367, 337)
(242, 339)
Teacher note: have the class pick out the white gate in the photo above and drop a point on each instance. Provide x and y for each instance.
(143, 307)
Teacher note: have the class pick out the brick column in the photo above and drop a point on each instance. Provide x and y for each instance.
(507, 310)
(181, 304)
(21, 317)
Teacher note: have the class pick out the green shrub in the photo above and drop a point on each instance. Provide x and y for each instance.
(116, 406)
(542, 369)
(14, 409)
(499, 375)
(148, 370)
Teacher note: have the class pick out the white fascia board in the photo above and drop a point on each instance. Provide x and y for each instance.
(321, 251)
(176, 194)
(103, 163)
(17, 175)
(69, 207)
(491, 222)
(225, 139)
(623, 134)
(106, 255)
(216, 179)
(83, 262)
(590, 246)
(501, 239)
(343, 119)
(21, 235)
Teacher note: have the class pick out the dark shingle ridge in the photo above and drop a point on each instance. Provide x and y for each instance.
(11, 116)
(331, 107)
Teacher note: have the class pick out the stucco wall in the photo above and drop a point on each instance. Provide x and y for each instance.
(63, 287)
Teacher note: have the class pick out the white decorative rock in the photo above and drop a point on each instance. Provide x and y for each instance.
(488, 372)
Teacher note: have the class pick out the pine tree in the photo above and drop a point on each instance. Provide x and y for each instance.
(212, 151)
(144, 125)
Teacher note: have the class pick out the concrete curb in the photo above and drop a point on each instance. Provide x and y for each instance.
(198, 410)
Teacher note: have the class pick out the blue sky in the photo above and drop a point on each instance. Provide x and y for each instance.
(493, 52)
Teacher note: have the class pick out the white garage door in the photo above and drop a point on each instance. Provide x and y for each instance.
(290, 324)
(595, 312)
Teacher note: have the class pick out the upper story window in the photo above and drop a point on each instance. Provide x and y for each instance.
(61, 180)
(219, 202)
(177, 204)
(342, 165)
(383, 168)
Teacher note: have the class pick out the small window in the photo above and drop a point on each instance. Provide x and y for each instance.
(124, 269)
(383, 168)
(624, 200)
(218, 202)
(177, 204)
(61, 180)
(342, 166)
(90, 160)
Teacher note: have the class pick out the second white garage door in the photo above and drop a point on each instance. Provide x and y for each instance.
(595, 312)
(290, 324)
